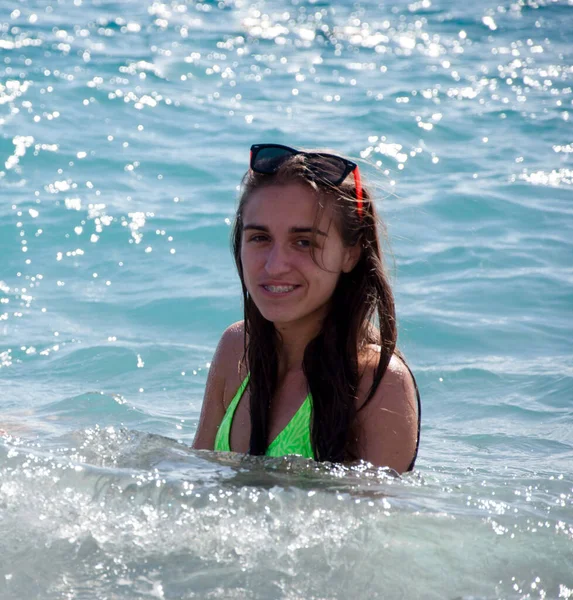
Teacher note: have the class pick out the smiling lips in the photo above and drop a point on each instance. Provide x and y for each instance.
(279, 289)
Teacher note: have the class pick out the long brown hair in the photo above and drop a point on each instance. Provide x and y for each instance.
(361, 312)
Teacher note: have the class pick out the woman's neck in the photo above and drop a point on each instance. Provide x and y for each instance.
(294, 340)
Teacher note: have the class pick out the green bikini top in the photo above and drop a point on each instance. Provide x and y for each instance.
(293, 439)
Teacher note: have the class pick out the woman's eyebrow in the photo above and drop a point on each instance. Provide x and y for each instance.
(255, 226)
(264, 228)
(308, 230)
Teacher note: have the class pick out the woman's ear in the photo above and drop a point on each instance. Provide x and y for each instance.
(352, 256)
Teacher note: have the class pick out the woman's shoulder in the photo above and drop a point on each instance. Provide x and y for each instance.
(228, 359)
(389, 421)
(397, 384)
(233, 336)
(224, 374)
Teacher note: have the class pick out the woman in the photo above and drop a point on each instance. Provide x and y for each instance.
(313, 368)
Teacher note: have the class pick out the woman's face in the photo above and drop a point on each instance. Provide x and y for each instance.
(282, 278)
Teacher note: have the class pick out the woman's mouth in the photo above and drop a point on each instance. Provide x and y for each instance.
(279, 289)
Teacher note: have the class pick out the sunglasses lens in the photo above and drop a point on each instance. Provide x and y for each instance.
(328, 168)
(268, 160)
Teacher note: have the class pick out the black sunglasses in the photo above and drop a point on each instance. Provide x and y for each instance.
(267, 159)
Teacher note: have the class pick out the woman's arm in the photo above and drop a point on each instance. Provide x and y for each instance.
(388, 424)
(223, 375)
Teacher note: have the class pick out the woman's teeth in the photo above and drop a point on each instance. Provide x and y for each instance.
(278, 289)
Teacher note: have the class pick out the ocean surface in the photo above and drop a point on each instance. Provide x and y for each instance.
(124, 132)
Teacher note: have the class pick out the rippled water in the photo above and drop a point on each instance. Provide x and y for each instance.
(124, 131)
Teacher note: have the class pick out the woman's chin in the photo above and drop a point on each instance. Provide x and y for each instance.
(277, 318)
(282, 319)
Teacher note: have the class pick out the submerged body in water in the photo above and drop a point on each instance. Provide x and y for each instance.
(125, 514)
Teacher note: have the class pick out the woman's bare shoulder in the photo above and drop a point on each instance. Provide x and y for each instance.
(228, 359)
(233, 338)
(389, 420)
(397, 380)
(223, 379)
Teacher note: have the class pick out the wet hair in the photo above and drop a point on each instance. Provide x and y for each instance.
(361, 312)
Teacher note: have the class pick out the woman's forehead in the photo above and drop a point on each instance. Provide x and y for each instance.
(285, 204)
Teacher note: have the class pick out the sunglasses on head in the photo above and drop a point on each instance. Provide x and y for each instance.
(267, 159)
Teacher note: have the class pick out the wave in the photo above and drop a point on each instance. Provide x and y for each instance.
(133, 515)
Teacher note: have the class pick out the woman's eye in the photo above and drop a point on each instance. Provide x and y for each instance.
(258, 238)
(304, 243)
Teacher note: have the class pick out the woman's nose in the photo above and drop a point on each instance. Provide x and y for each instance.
(277, 261)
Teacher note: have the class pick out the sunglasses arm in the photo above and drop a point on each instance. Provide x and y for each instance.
(358, 186)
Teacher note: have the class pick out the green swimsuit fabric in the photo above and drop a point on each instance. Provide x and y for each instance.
(293, 439)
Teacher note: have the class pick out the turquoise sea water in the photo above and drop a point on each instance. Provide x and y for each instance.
(124, 132)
